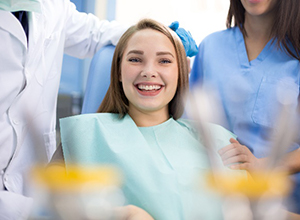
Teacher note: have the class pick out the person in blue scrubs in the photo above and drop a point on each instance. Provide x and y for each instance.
(254, 66)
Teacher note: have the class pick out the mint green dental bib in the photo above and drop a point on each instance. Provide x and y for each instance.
(163, 165)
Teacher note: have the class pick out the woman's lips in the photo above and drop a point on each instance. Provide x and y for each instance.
(149, 89)
(255, 1)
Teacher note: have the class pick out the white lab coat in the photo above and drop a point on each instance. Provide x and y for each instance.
(29, 81)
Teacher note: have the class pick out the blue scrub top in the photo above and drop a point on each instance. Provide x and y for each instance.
(247, 89)
(252, 93)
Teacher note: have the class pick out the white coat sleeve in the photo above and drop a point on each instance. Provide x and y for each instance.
(14, 206)
(86, 33)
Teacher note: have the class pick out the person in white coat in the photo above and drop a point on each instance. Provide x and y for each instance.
(30, 69)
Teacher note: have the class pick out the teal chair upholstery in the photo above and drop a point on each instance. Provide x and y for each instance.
(98, 79)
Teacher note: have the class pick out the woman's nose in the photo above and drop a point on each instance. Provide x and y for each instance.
(149, 71)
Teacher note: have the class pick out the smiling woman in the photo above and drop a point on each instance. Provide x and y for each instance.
(148, 55)
(138, 129)
(149, 75)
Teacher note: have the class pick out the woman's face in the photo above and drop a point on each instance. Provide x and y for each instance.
(258, 7)
(149, 72)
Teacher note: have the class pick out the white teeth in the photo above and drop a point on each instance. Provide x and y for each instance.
(149, 87)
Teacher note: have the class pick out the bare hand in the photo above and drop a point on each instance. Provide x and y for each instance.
(131, 212)
(241, 156)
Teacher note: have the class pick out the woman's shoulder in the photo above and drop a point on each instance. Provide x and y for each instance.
(219, 131)
(220, 36)
(191, 124)
(215, 131)
(187, 123)
(91, 119)
(92, 116)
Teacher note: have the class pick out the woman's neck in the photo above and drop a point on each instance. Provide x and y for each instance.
(258, 29)
(147, 119)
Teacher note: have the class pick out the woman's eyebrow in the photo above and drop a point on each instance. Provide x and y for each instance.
(164, 53)
(135, 52)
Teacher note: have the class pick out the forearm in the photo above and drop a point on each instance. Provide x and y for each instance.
(86, 34)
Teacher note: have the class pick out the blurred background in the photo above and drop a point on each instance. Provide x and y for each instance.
(200, 17)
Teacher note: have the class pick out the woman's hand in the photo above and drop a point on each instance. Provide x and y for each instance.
(131, 212)
(239, 157)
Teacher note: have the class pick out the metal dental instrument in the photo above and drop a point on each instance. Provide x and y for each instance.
(199, 108)
(283, 137)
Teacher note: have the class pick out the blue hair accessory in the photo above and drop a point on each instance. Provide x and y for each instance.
(187, 40)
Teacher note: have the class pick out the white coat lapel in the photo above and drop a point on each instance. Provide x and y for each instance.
(11, 24)
(35, 55)
(36, 31)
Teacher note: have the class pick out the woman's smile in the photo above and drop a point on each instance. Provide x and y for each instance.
(149, 89)
(149, 72)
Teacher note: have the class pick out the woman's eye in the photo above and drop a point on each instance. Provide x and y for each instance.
(134, 60)
(165, 61)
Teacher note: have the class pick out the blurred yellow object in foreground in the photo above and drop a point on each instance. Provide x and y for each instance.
(253, 186)
(78, 192)
(58, 178)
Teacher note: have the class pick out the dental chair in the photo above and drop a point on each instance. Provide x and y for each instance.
(98, 79)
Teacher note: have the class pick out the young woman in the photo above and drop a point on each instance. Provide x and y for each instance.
(138, 128)
(254, 65)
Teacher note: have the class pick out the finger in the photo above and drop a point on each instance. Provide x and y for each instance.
(231, 153)
(236, 159)
(232, 140)
(236, 143)
(229, 148)
(240, 166)
(226, 148)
